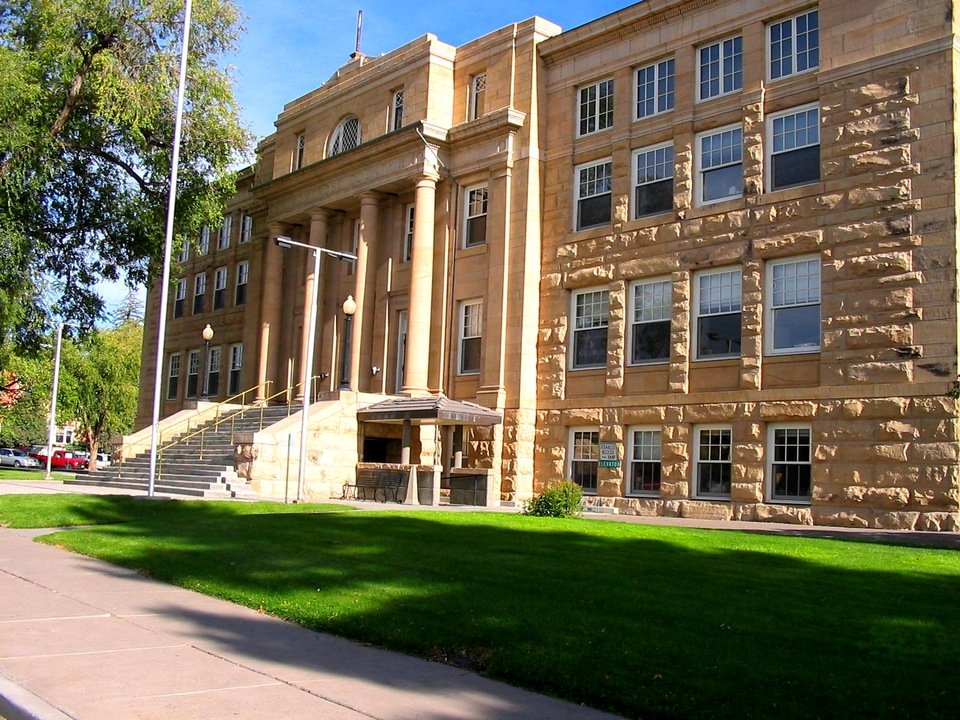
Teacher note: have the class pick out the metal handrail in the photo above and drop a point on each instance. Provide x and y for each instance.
(231, 418)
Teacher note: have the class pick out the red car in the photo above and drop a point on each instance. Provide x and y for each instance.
(63, 460)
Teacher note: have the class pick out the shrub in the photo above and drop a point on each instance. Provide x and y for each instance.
(562, 500)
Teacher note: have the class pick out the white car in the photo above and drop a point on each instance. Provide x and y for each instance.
(13, 457)
(104, 459)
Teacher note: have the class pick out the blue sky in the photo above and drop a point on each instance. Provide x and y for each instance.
(291, 47)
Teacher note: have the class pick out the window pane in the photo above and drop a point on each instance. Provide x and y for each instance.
(796, 167)
(723, 183)
(718, 335)
(796, 327)
(654, 198)
(651, 341)
(593, 211)
(470, 355)
(590, 347)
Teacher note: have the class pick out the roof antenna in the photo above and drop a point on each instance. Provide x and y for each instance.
(357, 53)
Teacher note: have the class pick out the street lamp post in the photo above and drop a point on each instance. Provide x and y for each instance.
(349, 308)
(318, 252)
(51, 429)
(207, 337)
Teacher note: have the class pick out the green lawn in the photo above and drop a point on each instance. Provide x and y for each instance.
(647, 621)
(7, 473)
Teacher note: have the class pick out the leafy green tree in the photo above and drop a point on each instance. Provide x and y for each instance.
(99, 382)
(86, 129)
(24, 410)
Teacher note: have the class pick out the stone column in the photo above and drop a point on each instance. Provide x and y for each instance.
(271, 286)
(318, 237)
(364, 296)
(421, 290)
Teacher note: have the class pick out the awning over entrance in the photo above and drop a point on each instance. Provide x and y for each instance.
(432, 410)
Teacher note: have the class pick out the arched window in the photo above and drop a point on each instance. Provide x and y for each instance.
(346, 136)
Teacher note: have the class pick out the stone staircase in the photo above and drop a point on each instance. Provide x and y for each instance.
(190, 467)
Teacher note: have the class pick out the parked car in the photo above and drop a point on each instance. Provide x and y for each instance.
(63, 460)
(104, 459)
(17, 458)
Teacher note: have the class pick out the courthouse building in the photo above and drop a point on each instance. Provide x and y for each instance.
(698, 256)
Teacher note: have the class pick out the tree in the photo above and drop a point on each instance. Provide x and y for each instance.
(86, 128)
(24, 412)
(99, 384)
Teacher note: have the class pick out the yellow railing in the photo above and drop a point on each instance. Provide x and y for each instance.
(231, 418)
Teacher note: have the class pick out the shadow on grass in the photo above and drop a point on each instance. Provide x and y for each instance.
(644, 621)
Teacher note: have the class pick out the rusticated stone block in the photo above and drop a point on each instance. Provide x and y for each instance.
(700, 510)
(792, 514)
(896, 520)
(775, 411)
(880, 408)
(709, 413)
(880, 372)
(949, 522)
(746, 492)
(881, 264)
(933, 452)
(842, 518)
(897, 430)
(885, 336)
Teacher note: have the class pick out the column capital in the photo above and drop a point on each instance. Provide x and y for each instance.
(427, 181)
(370, 197)
(319, 214)
(278, 228)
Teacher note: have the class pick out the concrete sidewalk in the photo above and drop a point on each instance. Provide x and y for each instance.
(82, 639)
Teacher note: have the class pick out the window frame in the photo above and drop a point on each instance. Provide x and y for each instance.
(224, 232)
(770, 308)
(396, 110)
(477, 96)
(578, 198)
(184, 254)
(632, 433)
(698, 461)
(700, 169)
(337, 145)
(771, 462)
(173, 378)
(193, 374)
(736, 270)
(468, 241)
(243, 277)
(246, 228)
(203, 244)
(699, 63)
(632, 289)
(233, 381)
(635, 178)
(409, 218)
(573, 363)
(299, 150)
(658, 77)
(572, 447)
(220, 277)
(464, 337)
(199, 293)
(214, 363)
(606, 115)
(770, 153)
(792, 19)
(179, 298)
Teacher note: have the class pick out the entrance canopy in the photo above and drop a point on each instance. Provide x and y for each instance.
(431, 410)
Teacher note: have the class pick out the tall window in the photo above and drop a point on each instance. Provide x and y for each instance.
(653, 180)
(220, 288)
(346, 136)
(475, 230)
(717, 299)
(193, 373)
(203, 246)
(794, 142)
(401, 348)
(243, 275)
(180, 298)
(246, 228)
(478, 95)
(789, 458)
(396, 111)
(471, 330)
(645, 461)
(591, 311)
(199, 292)
(794, 45)
(184, 254)
(720, 68)
(173, 376)
(236, 365)
(585, 457)
(408, 218)
(720, 163)
(298, 151)
(595, 107)
(655, 91)
(223, 234)
(713, 461)
(213, 372)
(793, 306)
(594, 183)
(650, 321)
